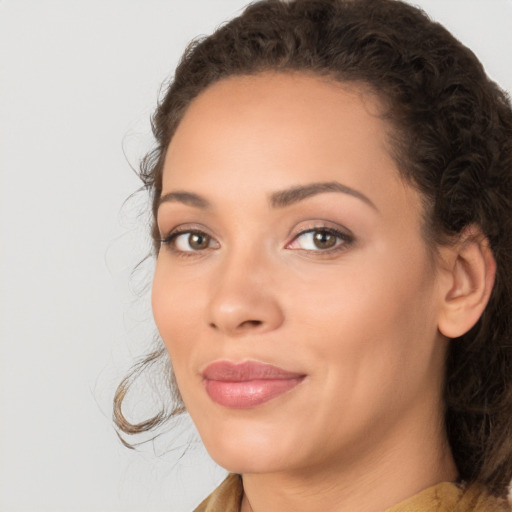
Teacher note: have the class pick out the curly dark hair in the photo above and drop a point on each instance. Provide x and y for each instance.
(452, 141)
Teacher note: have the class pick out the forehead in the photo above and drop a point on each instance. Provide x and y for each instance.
(274, 101)
(273, 130)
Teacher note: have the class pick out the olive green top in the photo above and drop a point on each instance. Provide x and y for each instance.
(443, 497)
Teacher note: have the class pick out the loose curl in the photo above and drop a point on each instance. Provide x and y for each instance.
(452, 140)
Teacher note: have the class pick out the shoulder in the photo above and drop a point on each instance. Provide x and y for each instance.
(226, 498)
(449, 497)
(477, 499)
(443, 497)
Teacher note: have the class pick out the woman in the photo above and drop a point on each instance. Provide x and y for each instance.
(332, 195)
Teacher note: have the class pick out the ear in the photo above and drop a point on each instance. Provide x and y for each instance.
(469, 270)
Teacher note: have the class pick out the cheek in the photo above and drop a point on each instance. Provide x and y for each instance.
(375, 308)
(374, 333)
(371, 310)
(177, 315)
(175, 303)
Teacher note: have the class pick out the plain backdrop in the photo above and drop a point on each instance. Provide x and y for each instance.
(78, 81)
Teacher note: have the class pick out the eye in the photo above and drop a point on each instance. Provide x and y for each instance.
(189, 241)
(320, 239)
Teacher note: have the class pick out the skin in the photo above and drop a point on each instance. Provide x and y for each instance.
(363, 430)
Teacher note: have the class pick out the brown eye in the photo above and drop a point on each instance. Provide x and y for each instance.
(321, 240)
(198, 241)
(190, 241)
(324, 239)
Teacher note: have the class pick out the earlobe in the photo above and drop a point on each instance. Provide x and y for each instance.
(471, 270)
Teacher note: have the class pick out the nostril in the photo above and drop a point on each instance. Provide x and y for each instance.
(250, 323)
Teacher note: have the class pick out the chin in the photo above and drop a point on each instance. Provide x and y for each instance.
(248, 450)
(247, 462)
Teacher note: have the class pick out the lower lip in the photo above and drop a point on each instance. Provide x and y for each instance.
(247, 394)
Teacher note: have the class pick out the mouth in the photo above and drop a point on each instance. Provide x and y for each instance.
(246, 385)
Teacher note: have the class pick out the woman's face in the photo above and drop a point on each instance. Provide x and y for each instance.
(293, 290)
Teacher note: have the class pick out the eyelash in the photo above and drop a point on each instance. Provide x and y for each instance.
(170, 241)
(344, 240)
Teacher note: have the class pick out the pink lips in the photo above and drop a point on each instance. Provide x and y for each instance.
(245, 385)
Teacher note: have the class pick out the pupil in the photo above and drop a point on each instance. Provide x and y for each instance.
(198, 241)
(324, 239)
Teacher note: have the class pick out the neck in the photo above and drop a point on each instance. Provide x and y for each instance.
(404, 463)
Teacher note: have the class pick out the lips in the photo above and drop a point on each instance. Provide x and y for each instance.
(246, 385)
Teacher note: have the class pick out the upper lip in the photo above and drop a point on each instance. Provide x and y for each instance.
(228, 371)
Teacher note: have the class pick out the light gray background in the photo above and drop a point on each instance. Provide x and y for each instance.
(78, 80)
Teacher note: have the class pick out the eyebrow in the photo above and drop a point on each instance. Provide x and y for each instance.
(280, 199)
(186, 198)
(293, 195)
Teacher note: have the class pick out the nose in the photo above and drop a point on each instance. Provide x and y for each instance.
(243, 298)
